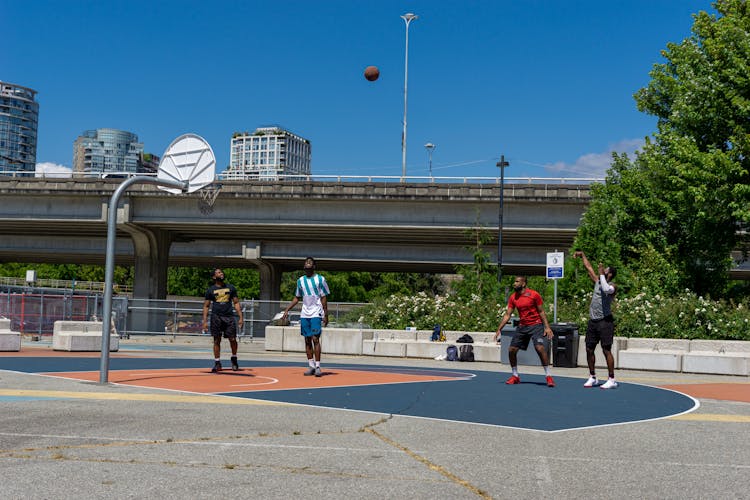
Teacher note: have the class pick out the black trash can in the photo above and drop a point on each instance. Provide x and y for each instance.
(565, 345)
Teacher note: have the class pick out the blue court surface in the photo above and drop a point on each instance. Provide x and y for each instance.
(475, 397)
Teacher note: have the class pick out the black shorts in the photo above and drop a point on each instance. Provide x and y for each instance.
(600, 330)
(223, 325)
(526, 333)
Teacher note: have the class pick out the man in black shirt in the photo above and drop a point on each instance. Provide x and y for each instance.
(224, 297)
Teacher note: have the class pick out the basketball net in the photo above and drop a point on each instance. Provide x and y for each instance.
(208, 198)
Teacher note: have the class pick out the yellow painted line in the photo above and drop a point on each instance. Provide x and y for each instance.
(164, 398)
(713, 417)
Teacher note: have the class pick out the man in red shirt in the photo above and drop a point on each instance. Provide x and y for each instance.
(531, 313)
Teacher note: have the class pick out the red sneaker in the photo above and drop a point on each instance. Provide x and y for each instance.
(550, 381)
(514, 379)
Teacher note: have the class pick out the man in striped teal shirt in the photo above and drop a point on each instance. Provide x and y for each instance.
(313, 290)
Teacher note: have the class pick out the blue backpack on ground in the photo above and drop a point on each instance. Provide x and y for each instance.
(451, 353)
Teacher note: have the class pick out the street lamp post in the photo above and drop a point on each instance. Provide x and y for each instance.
(502, 164)
(430, 147)
(408, 18)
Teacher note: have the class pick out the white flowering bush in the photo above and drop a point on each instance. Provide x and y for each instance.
(424, 312)
(685, 316)
(645, 314)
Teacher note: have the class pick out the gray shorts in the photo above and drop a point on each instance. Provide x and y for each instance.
(526, 333)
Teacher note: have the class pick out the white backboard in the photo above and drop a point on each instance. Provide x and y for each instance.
(189, 158)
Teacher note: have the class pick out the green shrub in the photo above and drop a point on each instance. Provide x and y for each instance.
(686, 316)
(646, 314)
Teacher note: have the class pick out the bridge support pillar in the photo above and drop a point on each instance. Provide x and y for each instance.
(270, 281)
(151, 252)
(270, 293)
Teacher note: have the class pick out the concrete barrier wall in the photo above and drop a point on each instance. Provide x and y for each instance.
(81, 336)
(274, 338)
(653, 354)
(9, 341)
(386, 348)
(618, 344)
(729, 357)
(696, 356)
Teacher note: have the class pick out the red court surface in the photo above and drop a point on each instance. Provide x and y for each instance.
(727, 392)
(201, 380)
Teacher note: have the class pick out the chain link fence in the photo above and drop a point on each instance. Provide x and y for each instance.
(34, 310)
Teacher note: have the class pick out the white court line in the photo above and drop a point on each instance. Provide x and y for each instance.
(272, 381)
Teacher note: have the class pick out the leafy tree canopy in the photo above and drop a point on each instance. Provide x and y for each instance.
(673, 215)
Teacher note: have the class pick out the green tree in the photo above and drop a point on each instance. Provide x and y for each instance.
(478, 279)
(364, 286)
(80, 272)
(193, 281)
(701, 152)
(674, 214)
(188, 281)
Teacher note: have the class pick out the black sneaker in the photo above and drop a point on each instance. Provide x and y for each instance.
(235, 366)
(318, 373)
(217, 367)
(309, 371)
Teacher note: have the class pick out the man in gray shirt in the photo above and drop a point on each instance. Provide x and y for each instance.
(601, 326)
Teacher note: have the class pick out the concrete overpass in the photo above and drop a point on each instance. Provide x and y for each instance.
(273, 225)
(364, 226)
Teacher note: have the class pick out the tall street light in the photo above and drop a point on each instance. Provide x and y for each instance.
(408, 18)
(430, 147)
(502, 164)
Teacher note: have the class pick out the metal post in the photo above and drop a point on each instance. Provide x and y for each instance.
(174, 321)
(252, 318)
(554, 316)
(41, 314)
(109, 268)
(430, 147)
(502, 164)
(554, 307)
(408, 18)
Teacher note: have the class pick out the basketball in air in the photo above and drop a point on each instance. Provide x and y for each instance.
(372, 73)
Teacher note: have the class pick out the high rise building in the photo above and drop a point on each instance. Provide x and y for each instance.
(149, 164)
(19, 118)
(107, 150)
(268, 153)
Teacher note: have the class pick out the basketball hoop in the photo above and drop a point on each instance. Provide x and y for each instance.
(208, 198)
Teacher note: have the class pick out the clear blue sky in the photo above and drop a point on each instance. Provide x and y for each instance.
(547, 83)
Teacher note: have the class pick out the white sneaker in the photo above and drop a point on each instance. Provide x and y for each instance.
(591, 382)
(609, 384)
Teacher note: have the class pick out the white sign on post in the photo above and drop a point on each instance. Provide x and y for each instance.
(555, 261)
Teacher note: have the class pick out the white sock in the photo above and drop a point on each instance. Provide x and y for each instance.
(311, 362)
(547, 371)
(217, 360)
(515, 370)
(317, 364)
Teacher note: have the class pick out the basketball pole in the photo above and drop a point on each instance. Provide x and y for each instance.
(109, 271)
